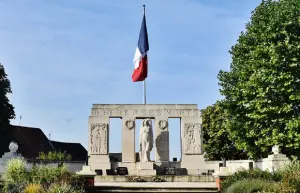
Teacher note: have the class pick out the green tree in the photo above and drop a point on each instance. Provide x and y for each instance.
(262, 88)
(6, 109)
(216, 140)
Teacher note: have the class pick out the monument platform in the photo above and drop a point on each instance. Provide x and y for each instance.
(166, 178)
(207, 187)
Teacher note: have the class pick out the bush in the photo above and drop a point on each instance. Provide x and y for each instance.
(54, 156)
(250, 175)
(15, 178)
(290, 177)
(39, 179)
(252, 186)
(63, 188)
(34, 188)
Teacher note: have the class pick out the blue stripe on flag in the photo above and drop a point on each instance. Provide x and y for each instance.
(143, 44)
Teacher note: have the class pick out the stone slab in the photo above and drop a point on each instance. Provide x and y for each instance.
(149, 110)
(86, 171)
(145, 165)
(146, 172)
(158, 184)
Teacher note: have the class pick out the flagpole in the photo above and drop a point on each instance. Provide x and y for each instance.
(145, 101)
(145, 92)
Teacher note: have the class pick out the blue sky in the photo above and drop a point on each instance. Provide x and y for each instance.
(64, 56)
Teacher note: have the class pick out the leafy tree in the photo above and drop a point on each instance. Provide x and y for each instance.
(6, 109)
(262, 88)
(217, 144)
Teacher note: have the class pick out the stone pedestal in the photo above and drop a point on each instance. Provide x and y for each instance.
(86, 171)
(99, 162)
(145, 169)
(274, 161)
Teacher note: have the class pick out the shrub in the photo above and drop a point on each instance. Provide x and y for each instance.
(34, 188)
(290, 177)
(15, 171)
(157, 179)
(39, 179)
(250, 175)
(63, 188)
(54, 156)
(252, 186)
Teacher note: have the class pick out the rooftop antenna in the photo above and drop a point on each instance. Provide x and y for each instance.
(20, 120)
(49, 136)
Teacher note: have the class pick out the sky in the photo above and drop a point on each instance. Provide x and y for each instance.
(63, 56)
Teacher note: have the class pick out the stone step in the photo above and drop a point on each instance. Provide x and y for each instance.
(166, 178)
(208, 187)
(129, 190)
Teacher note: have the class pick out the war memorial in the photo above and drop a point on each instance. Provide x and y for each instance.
(189, 173)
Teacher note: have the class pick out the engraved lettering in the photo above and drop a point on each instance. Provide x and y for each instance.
(135, 112)
(106, 112)
(119, 112)
(143, 112)
(126, 112)
(181, 112)
(158, 113)
(151, 113)
(169, 112)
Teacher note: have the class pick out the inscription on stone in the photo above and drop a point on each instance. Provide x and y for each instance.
(98, 136)
(192, 138)
(145, 112)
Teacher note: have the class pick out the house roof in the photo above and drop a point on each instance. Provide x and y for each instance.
(77, 151)
(31, 141)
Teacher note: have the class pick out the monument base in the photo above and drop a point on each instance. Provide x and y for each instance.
(145, 165)
(145, 169)
(275, 161)
(99, 162)
(86, 171)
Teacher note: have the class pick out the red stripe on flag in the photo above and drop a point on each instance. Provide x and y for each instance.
(140, 74)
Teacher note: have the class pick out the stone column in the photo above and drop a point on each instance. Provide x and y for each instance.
(98, 143)
(191, 145)
(128, 142)
(161, 137)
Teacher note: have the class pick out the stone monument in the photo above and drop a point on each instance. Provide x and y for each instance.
(151, 137)
(13, 148)
(275, 160)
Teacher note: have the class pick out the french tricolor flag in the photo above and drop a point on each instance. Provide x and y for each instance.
(140, 58)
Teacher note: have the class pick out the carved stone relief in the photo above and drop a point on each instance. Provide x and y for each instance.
(163, 124)
(129, 124)
(192, 138)
(98, 137)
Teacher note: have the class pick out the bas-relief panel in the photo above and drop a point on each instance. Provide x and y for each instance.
(192, 138)
(98, 138)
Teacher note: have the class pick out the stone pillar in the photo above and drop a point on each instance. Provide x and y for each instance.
(98, 143)
(191, 145)
(128, 142)
(161, 137)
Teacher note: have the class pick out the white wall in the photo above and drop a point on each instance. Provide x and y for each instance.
(233, 165)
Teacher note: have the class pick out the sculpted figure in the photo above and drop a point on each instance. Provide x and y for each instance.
(145, 140)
